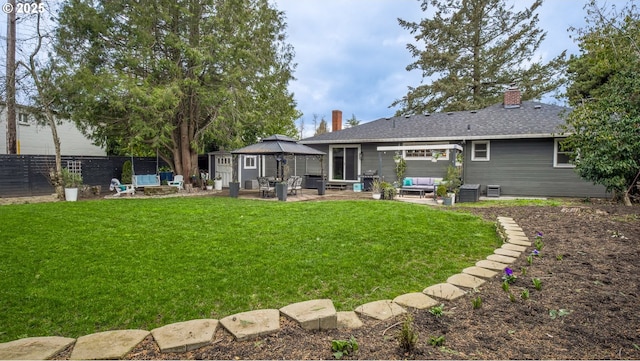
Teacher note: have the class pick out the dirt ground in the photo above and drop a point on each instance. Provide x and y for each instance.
(588, 306)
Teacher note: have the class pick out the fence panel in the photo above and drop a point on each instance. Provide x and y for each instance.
(28, 175)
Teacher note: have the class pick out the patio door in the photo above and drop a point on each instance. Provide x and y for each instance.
(344, 163)
(224, 168)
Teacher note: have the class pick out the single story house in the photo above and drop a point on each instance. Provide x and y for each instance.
(514, 145)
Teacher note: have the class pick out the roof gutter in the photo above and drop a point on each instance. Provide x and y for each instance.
(434, 139)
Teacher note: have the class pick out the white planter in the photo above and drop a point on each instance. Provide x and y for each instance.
(453, 198)
(209, 188)
(376, 195)
(217, 184)
(71, 194)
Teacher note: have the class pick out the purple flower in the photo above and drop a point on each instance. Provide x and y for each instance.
(539, 234)
(535, 252)
(508, 271)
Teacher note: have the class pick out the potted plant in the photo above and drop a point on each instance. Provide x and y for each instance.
(441, 192)
(71, 183)
(376, 189)
(387, 190)
(165, 173)
(209, 184)
(217, 182)
(453, 182)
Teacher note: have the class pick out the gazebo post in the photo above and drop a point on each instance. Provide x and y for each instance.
(234, 185)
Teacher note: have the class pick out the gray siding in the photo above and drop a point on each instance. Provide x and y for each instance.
(525, 168)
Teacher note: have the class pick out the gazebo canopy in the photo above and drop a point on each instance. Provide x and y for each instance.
(278, 144)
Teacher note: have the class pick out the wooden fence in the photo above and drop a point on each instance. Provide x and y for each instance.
(27, 175)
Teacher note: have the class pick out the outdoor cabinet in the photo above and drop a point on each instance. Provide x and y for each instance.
(311, 181)
(469, 193)
(493, 190)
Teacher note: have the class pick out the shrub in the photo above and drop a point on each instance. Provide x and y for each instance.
(127, 173)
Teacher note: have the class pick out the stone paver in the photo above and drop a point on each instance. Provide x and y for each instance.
(380, 310)
(507, 252)
(491, 265)
(501, 259)
(349, 319)
(185, 336)
(313, 314)
(514, 247)
(519, 242)
(415, 300)
(505, 219)
(107, 345)
(515, 234)
(479, 272)
(511, 227)
(465, 280)
(247, 325)
(445, 291)
(34, 348)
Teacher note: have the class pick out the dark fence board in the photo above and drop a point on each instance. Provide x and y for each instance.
(27, 175)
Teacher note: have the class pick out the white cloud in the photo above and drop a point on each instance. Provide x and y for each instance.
(352, 55)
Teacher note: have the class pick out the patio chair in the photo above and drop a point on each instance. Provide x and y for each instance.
(178, 182)
(296, 185)
(290, 181)
(265, 186)
(121, 188)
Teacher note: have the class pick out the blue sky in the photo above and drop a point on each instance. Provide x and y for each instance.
(351, 54)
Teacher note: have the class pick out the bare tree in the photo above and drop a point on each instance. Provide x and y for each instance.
(43, 97)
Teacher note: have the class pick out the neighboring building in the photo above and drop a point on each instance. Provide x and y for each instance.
(35, 139)
(513, 145)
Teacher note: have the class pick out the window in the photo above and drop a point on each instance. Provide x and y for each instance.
(480, 151)
(424, 154)
(23, 119)
(250, 162)
(344, 163)
(562, 155)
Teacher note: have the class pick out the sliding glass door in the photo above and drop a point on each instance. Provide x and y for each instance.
(344, 163)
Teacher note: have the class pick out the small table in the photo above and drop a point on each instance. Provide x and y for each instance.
(405, 190)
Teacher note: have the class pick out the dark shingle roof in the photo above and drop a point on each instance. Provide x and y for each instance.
(531, 120)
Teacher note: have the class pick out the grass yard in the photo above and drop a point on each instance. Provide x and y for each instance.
(72, 269)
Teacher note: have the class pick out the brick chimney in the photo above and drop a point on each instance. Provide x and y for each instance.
(336, 120)
(512, 98)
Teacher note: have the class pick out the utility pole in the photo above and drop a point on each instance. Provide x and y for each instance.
(12, 139)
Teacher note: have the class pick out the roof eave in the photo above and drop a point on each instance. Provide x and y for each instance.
(433, 139)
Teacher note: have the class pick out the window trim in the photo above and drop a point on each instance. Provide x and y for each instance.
(556, 151)
(254, 159)
(359, 161)
(473, 151)
(23, 118)
(430, 157)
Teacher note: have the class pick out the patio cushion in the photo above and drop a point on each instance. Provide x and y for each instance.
(407, 182)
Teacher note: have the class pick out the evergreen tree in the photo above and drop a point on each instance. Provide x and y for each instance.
(604, 88)
(352, 122)
(175, 75)
(470, 50)
(322, 128)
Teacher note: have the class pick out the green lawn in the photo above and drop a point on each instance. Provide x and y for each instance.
(71, 269)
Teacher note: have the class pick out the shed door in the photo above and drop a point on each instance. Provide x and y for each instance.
(224, 168)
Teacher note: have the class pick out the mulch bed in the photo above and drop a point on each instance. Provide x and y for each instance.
(588, 307)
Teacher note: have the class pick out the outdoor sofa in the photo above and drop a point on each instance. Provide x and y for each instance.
(421, 185)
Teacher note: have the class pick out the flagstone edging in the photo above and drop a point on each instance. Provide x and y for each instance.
(310, 315)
